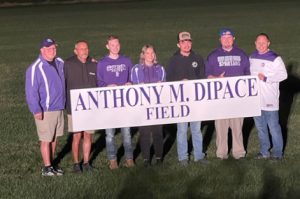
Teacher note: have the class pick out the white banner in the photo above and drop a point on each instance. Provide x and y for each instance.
(163, 103)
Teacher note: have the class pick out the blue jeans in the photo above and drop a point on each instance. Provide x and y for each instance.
(269, 119)
(182, 143)
(111, 145)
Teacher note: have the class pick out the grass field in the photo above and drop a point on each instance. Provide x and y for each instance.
(137, 23)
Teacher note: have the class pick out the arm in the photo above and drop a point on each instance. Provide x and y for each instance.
(100, 75)
(169, 72)
(278, 74)
(32, 91)
(134, 75)
(129, 65)
(163, 76)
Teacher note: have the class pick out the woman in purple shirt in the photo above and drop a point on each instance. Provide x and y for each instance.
(149, 71)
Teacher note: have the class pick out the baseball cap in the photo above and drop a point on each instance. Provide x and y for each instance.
(226, 31)
(47, 42)
(184, 36)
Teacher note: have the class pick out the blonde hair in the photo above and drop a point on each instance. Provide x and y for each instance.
(143, 51)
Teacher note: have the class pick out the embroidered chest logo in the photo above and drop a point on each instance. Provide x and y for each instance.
(194, 64)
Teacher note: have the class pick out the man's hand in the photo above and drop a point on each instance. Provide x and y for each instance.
(38, 116)
(261, 76)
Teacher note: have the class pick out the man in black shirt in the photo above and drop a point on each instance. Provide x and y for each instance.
(185, 64)
(80, 72)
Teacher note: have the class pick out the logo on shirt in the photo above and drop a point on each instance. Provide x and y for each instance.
(229, 61)
(116, 69)
(263, 64)
(194, 64)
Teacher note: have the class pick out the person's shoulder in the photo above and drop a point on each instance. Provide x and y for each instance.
(214, 52)
(71, 58)
(137, 66)
(269, 56)
(159, 66)
(239, 50)
(175, 56)
(59, 59)
(103, 60)
(124, 57)
(196, 54)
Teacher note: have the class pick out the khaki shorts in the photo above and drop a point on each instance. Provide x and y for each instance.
(70, 126)
(51, 126)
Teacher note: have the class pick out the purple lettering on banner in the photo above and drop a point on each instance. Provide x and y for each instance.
(157, 94)
(177, 94)
(251, 86)
(91, 96)
(105, 97)
(164, 112)
(173, 112)
(217, 86)
(185, 110)
(150, 112)
(227, 91)
(208, 90)
(129, 97)
(80, 102)
(146, 95)
(237, 88)
(120, 97)
(197, 91)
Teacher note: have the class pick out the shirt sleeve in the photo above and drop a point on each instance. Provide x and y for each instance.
(31, 91)
(279, 73)
(134, 75)
(100, 75)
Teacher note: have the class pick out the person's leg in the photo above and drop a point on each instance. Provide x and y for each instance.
(197, 140)
(222, 138)
(238, 149)
(87, 144)
(127, 143)
(45, 152)
(111, 148)
(53, 148)
(110, 144)
(263, 135)
(158, 142)
(75, 146)
(276, 133)
(182, 145)
(145, 141)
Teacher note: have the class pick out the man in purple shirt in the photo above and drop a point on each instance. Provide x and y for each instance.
(114, 70)
(45, 96)
(228, 61)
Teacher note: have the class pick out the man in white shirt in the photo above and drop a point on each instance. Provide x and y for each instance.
(270, 69)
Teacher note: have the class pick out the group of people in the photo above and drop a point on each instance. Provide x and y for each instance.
(49, 80)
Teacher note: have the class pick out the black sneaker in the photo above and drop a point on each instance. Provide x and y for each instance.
(76, 168)
(276, 158)
(159, 161)
(48, 171)
(58, 171)
(147, 163)
(86, 167)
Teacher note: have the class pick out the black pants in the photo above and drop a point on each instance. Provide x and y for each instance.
(156, 132)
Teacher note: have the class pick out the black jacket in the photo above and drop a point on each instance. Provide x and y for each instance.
(79, 75)
(181, 67)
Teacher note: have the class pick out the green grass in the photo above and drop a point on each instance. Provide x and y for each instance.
(137, 23)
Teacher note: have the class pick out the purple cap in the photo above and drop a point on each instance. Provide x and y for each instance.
(226, 31)
(47, 42)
